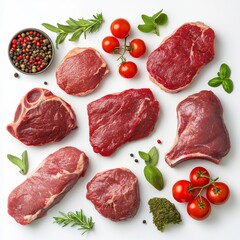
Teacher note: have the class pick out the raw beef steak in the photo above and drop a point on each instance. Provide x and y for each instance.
(201, 130)
(176, 62)
(81, 71)
(47, 185)
(115, 193)
(121, 117)
(41, 118)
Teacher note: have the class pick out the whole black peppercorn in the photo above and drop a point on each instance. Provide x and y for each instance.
(16, 75)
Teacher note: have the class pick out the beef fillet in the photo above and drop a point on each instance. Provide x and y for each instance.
(201, 130)
(176, 62)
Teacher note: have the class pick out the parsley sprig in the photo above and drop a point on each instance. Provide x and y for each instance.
(77, 218)
(76, 27)
(152, 23)
(223, 79)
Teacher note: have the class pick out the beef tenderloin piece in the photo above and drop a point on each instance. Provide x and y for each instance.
(47, 185)
(115, 193)
(81, 71)
(42, 118)
(121, 117)
(201, 132)
(177, 61)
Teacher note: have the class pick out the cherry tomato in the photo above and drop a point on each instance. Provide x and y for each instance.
(199, 208)
(110, 44)
(138, 48)
(128, 69)
(218, 193)
(120, 28)
(199, 176)
(181, 191)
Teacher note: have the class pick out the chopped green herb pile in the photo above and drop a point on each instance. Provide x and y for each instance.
(223, 79)
(76, 27)
(152, 23)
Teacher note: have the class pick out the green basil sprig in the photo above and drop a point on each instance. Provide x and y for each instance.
(152, 174)
(22, 163)
(152, 23)
(223, 79)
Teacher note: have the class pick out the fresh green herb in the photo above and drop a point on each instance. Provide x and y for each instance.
(22, 163)
(223, 79)
(152, 23)
(151, 172)
(77, 218)
(75, 27)
(164, 213)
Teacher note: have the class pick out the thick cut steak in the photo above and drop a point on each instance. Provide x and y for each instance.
(115, 193)
(81, 71)
(121, 117)
(201, 130)
(47, 185)
(41, 118)
(176, 62)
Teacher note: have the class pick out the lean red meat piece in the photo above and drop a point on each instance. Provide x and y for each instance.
(41, 118)
(81, 71)
(47, 185)
(115, 193)
(201, 130)
(121, 117)
(177, 61)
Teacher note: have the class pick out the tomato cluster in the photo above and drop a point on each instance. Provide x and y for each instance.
(120, 29)
(191, 191)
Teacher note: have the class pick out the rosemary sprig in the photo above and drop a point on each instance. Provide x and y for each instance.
(75, 27)
(77, 218)
(22, 163)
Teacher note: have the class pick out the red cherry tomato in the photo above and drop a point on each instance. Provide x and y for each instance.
(181, 191)
(199, 176)
(138, 48)
(218, 193)
(128, 69)
(120, 28)
(110, 44)
(199, 208)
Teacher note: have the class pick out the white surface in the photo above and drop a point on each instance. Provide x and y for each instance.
(223, 16)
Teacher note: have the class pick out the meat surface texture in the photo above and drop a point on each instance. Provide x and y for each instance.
(115, 193)
(47, 185)
(176, 62)
(201, 130)
(121, 117)
(81, 71)
(41, 118)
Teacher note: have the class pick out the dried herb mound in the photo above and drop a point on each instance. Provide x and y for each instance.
(164, 213)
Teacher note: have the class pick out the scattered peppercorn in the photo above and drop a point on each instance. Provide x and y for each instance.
(16, 75)
(45, 83)
(30, 51)
(131, 155)
(136, 160)
(159, 141)
(144, 221)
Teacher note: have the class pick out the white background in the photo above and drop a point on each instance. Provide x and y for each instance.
(223, 16)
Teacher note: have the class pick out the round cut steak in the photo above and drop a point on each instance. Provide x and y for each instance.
(115, 193)
(81, 71)
(176, 62)
(41, 118)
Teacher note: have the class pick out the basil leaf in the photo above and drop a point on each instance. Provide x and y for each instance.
(144, 156)
(227, 85)
(153, 153)
(215, 82)
(51, 28)
(156, 15)
(147, 20)
(225, 71)
(146, 28)
(154, 176)
(162, 19)
(21, 163)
